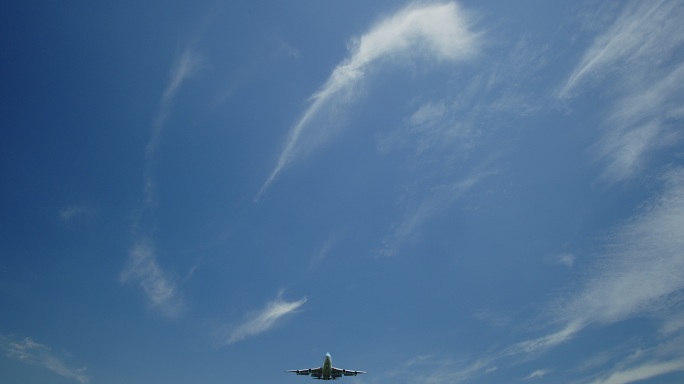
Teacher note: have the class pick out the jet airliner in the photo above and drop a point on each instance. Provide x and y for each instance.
(327, 371)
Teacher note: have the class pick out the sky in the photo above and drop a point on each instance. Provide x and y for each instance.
(433, 192)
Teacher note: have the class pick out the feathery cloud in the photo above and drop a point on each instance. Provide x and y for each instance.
(75, 211)
(641, 49)
(642, 122)
(645, 30)
(160, 290)
(643, 372)
(265, 319)
(441, 197)
(186, 65)
(31, 352)
(640, 271)
(437, 31)
(143, 267)
(566, 259)
(538, 374)
(643, 263)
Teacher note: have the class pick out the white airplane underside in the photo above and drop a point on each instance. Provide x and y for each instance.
(327, 371)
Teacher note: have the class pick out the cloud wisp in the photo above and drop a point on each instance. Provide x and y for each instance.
(31, 352)
(435, 31)
(417, 216)
(642, 122)
(641, 49)
(538, 374)
(186, 65)
(640, 271)
(643, 372)
(643, 31)
(265, 319)
(142, 267)
(160, 289)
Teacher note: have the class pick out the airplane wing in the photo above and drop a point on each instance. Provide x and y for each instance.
(314, 372)
(339, 372)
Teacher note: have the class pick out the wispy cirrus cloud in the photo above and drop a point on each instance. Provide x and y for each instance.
(642, 32)
(435, 202)
(441, 369)
(666, 356)
(31, 352)
(642, 122)
(435, 31)
(641, 268)
(642, 372)
(74, 212)
(159, 287)
(265, 319)
(186, 65)
(143, 267)
(538, 374)
(641, 51)
(642, 264)
(640, 271)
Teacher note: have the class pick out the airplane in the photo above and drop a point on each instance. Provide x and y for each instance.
(327, 371)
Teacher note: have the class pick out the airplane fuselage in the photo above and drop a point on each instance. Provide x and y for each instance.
(327, 367)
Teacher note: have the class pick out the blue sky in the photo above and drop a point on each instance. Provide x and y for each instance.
(433, 192)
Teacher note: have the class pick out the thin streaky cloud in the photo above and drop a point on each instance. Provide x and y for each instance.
(264, 320)
(538, 374)
(640, 270)
(437, 31)
(142, 267)
(640, 51)
(640, 123)
(544, 342)
(417, 216)
(187, 64)
(643, 372)
(441, 369)
(160, 289)
(565, 259)
(644, 30)
(31, 352)
(74, 212)
(642, 264)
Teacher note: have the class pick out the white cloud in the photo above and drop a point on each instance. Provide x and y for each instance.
(441, 369)
(643, 263)
(640, 272)
(29, 351)
(641, 51)
(143, 268)
(265, 319)
(428, 114)
(438, 31)
(186, 65)
(644, 31)
(566, 259)
(160, 289)
(74, 212)
(640, 122)
(538, 374)
(418, 215)
(643, 372)
(544, 342)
